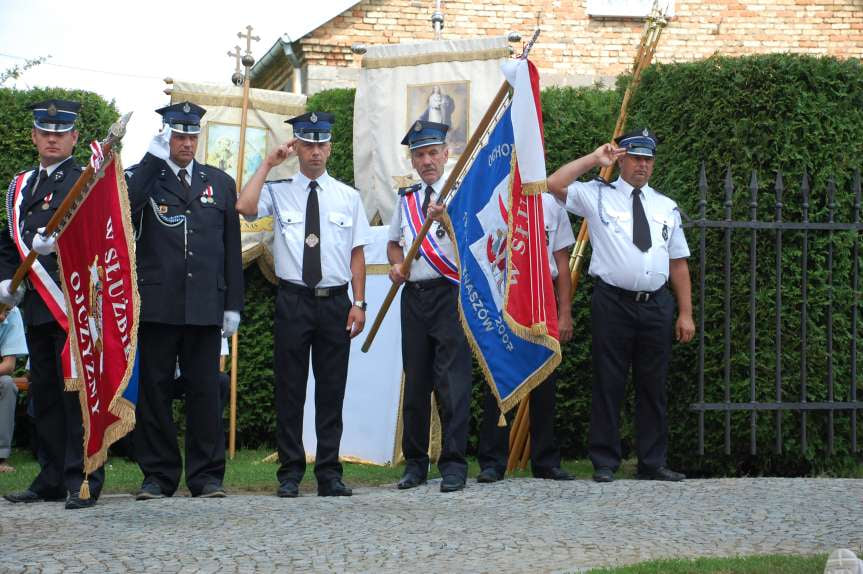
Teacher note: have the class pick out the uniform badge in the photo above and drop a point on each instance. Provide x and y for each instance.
(52, 110)
(205, 200)
(163, 209)
(440, 231)
(45, 206)
(645, 133)
(313, 118)
(186, 108)
(58, 175)
(665, 232)
(418, 127)
(312, 240)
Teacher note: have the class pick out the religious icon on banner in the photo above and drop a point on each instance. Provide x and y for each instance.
(223, 147)
(444, 103)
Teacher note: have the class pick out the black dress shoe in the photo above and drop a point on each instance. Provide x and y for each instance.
(661, 473)
(75, 502)
(489, 475)
(288, 489)
(410, 480)
(451, 483)
(212, 490)
(27, 496)
(553, 473)
(149, 491)
(603, 474)
(334, 487)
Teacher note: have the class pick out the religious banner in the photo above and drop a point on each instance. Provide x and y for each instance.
(445, 81)
(507, 302)
(96, 252)
(219, 146)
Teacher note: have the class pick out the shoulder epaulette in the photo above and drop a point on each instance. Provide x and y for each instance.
(410, 189)
(286, 180)
(604, 182)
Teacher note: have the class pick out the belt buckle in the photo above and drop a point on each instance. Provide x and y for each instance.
(322, 291)
(644, 294)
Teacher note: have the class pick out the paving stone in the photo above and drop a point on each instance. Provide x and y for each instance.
(517, 525)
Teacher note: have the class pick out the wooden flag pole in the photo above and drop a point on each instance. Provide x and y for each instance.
(247, 61)
(654, 26)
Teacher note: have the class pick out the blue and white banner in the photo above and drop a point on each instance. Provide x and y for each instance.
(515, 355)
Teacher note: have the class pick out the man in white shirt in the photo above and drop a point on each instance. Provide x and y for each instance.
(321, 229)
(638, 248)
(435, 352)
(12, 346)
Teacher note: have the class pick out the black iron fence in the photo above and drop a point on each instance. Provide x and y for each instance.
(803, 251)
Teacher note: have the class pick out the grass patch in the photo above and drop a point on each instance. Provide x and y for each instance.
(770, 564)
(248, 473)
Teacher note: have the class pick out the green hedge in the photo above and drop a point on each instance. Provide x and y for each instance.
(341, 103)
(767, 113)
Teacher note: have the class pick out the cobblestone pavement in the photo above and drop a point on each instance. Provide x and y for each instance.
(518, 525)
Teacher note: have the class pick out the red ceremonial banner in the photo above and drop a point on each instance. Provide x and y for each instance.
(96, 249)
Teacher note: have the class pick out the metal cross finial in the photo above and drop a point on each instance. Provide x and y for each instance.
(236, 55)
(248, 36)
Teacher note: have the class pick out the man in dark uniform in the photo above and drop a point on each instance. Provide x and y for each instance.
(435, 352)
(33, 198)
(190, 278)
(638, 250)
(321, 228)
(494, 439)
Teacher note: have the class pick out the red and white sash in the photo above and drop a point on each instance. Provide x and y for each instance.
(429, 248)
(50, 292)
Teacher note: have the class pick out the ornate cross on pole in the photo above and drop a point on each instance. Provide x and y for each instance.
(237, 77)
(248, 37)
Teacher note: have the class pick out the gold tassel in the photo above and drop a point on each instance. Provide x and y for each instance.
(501, 422)
(84, 494)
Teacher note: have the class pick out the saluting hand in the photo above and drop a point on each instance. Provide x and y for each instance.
(356, 321)
(281, 153)
(607, 154)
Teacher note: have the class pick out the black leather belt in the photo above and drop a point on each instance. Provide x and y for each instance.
(430, 284)
(637, 296)
(316, 292)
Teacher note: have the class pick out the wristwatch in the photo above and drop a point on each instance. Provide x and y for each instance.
(361, 304)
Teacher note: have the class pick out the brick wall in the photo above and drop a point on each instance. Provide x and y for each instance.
(577, 49)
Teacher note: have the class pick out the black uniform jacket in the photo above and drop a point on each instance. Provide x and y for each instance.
(190, 267)
(35, 213)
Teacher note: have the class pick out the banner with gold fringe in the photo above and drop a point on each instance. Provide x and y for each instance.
(507, 303)
(96, 251)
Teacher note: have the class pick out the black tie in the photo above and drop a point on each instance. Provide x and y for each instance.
(43, 175)
(640, 228)
(312, 248)
(427, 199)
(183, 183)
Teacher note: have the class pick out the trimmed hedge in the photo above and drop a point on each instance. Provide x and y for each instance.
(767, 113)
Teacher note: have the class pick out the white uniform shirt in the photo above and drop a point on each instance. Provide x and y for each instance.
(343, 226)
(400, 232)
(558, 229)
(616, 260)
(190, 169)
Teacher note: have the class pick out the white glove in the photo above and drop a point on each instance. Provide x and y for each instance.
(160, 145)
(230, 323)
(44, 244)
(11, 299)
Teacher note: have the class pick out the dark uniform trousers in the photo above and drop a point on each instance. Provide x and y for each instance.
(59, 425)
(58, 420)
(627, 332)
(494, 439)
(306, 323)
(197, 349)
(436, 357)
(189, 265)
